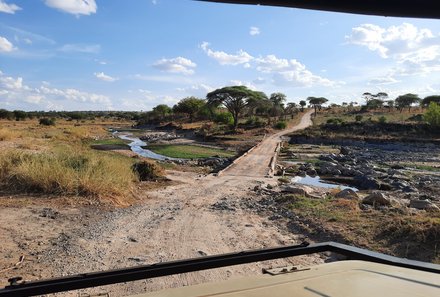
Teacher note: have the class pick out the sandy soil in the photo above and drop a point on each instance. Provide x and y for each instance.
(180, 221)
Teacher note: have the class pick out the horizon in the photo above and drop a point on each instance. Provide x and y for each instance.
(118, 56)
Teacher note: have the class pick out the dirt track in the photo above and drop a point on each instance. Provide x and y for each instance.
(256, 163)
(182, 221)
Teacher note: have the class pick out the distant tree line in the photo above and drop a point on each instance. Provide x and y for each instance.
(20, 115)
(381, 100)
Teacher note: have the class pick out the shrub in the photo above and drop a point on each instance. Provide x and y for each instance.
(280, 125)
(255, 122)
(382, 120)
(432, 115)
(224, 118)
(147, 170)
(335, 121)
(47, 121)
(358, 118)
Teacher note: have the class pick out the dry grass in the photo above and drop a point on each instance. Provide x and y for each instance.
(7, 134)
(68, 171)
(393, 231)
(57, 161)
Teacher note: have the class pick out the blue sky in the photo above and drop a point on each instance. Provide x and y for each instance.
(133, 55)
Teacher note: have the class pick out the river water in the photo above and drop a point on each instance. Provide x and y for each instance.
(136, 146)
(316, 181)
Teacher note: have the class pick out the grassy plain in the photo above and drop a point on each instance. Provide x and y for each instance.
(58, 160)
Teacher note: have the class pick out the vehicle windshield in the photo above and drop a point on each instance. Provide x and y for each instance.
(137, 132)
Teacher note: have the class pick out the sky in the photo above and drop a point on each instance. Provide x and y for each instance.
(134, 55)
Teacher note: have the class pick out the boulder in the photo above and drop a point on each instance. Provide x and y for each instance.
(347, 194)
(367, 183)
(293, 190)
(344, 150)
(311, 172)
(424, 204)
(377, 198)
(298, 189)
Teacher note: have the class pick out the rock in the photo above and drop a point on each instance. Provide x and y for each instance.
(424, 204)
(347, 194)
(294, 190)
(311, 172)
(377, 198)
(367, 183)
(344, 150)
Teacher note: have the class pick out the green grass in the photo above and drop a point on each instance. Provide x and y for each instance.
(188, 151)
(109, 141)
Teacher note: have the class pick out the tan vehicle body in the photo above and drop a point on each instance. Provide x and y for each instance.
(341, 279)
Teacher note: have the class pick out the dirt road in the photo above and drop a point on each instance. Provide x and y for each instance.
(201, 215)
(256, 163)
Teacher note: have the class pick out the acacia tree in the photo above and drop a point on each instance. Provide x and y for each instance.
(162, 110)
(189, 106)
(406, 101)
(291, 109)
(235, 99)
(427, 100)
(317, 102)
(303, 103)
(278, 100)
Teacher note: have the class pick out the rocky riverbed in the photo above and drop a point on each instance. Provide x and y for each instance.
(407, 173)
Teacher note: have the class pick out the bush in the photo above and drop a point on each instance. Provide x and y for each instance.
(280, 125)
(47, 121)
(147, 170)
(358, 118)
(382, 120)
(432, 115)
(335, 121)
(224, 118)
(255, 122)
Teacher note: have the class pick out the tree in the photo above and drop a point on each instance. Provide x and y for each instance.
(367, 96)
(235, 99)
(19, 115)
(427, 100)
(406, 101)
(5, 114)
(381, 96)
(291, 109)
(390, 104)
(162, 110)
(375, 103)
(278, 100)
(303, 103)
(190, 106)
(317, 102)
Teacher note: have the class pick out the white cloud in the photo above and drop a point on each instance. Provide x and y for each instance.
(176, 65)
(81, 48)
(243, 83)
(198, 90)
(414, 50)
(290, 72)
(259, 81)
(254, 31)
(16, 94)
(8, 8)
(10, 83)
(384, 80)
(104, 77)
(5, 45)
(76, 7)
(241, 57)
